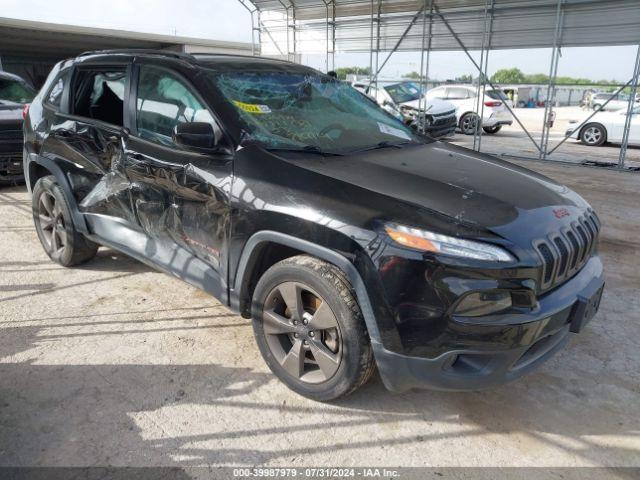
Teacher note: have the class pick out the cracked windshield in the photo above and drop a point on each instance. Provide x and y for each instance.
(302, 111)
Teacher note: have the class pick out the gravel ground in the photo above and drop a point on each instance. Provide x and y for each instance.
(116, 364)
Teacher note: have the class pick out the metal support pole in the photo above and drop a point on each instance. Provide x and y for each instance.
(377, 43)
(484, 57)
(371, 46)
(551, 88)
(326, 38)
(475, 64)
(402, 37)
(627, 120)
(253, 25)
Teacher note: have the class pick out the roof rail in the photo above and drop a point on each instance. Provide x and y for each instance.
(135, 51)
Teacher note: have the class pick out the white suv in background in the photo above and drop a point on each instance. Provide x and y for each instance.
(464, 97)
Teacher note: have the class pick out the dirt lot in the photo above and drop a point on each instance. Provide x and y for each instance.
(116, 364)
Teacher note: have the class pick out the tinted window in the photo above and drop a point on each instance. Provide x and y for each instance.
(496, 94)
(55, 94)
(15, 91)
(403, 92)
(99, 95)
(163, 102)
(457, 93)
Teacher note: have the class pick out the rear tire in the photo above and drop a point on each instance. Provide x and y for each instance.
(54, 225)
(310, 330)
(593, 134)
(492, 130)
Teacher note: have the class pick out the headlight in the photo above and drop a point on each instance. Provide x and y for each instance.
(443, 244)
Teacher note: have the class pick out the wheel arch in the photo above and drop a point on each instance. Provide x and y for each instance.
(251, 266)
(604, 129)
(42, 167)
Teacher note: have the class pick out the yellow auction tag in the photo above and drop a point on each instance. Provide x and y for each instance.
(252, 108)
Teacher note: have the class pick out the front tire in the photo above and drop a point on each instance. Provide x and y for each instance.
(469, 123)
(54, 225)
(310, 330)
(593, 134)
(492, 130)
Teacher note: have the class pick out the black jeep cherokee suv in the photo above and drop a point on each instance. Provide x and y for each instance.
(350, 240)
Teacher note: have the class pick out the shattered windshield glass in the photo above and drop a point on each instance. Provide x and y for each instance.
(311, 112)
(403, 92)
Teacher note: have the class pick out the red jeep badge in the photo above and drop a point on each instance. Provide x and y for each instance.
(561, 212)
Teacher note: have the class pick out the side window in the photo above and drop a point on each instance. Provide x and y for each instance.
(99, 95)
(54, 97)
(457, 93)
(163, 102)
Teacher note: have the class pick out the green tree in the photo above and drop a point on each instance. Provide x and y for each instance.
(342, 72)
(508, 75)
(412, 75)
(536, 78)
(464, 78)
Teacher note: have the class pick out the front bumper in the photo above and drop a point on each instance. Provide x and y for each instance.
(519, 344)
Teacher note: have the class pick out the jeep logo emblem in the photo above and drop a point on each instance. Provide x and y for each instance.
(561, 212)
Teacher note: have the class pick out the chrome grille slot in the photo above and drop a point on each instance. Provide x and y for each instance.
(564, 256)
(564, 252)
(549, 262)
(575, 246)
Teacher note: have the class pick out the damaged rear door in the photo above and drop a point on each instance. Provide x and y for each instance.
(91, 138)
(180, 195)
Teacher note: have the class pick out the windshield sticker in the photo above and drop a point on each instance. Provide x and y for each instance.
(396, 132)
(252, 108)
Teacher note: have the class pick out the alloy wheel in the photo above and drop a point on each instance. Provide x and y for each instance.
(469, 124)
(52, 225)
(592, 135)
(302, 332)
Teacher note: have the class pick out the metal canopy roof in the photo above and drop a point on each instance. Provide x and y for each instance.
(516, 24)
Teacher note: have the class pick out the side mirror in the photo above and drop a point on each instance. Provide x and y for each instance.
(196, 135)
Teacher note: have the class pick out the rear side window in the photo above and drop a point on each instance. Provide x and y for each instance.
(163, 102)
(457, 93)
(99, 95)
(54, 97)
(496, 94)
(15, 91)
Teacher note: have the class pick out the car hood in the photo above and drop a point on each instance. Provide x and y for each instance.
(469, 187)
(10, 111)
(434, 106)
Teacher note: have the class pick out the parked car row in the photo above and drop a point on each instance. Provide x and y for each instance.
(15, 93)
(445, 108)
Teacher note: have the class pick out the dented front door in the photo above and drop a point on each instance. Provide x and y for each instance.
(180, 197)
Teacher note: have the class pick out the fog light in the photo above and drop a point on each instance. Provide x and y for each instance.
(483, 303)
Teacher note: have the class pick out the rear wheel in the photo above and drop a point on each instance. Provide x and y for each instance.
(492, 130)
(469, 123)
(593, 134)
(310, 330)
(52, 218)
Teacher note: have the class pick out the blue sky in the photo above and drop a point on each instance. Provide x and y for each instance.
(228, 20)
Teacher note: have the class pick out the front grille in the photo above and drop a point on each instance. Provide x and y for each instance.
(564, 253)
(10, 135)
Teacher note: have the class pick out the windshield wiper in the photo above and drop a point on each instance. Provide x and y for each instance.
(383, 144)
(306, 149)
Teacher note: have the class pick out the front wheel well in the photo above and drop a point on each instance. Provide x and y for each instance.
(263, 257)
(36, 172)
